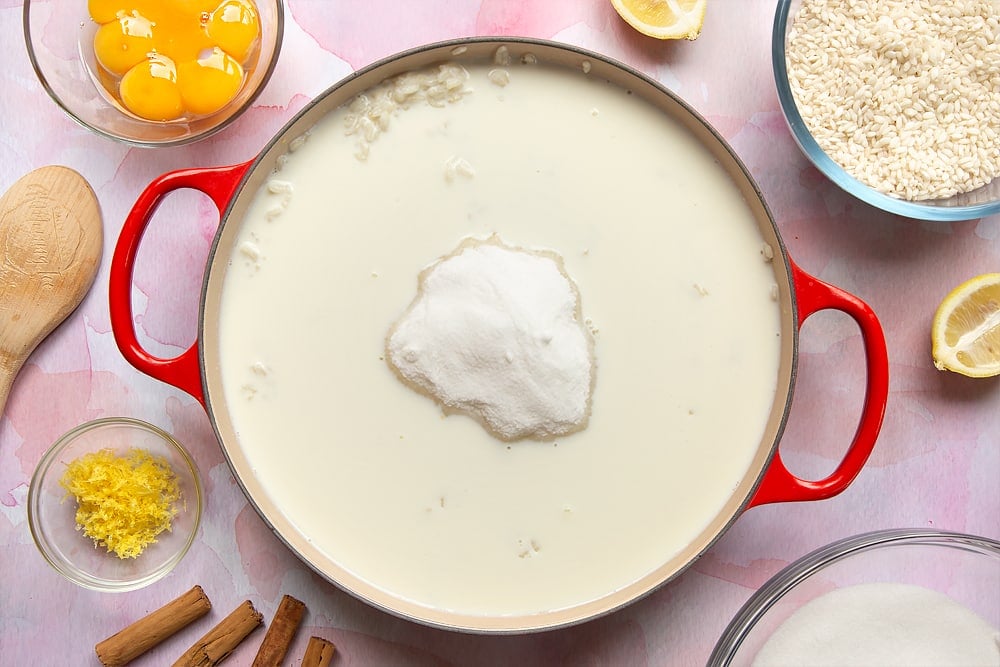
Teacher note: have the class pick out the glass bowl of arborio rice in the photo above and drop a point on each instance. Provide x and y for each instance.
(896, 101)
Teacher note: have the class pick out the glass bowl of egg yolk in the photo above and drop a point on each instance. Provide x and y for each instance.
(153, 72)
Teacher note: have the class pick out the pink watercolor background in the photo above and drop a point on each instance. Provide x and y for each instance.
(936, 464)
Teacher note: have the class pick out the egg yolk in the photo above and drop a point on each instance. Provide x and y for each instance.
(105, 11)
(123, 43)
(173, 39)
(172, 59)
(209, 83)
(234, 26)
(150, 89)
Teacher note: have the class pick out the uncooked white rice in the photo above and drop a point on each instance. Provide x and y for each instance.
(904, 94)
(369, 113)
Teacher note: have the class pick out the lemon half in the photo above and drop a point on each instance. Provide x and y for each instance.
(965, 333)
(663, 19)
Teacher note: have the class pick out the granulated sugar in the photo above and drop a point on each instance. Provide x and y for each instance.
(883, 625)
(496, 332)
(903, 94)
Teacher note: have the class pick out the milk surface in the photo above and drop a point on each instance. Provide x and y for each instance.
(667, 258)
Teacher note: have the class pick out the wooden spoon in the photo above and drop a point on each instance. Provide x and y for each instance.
(51, 241)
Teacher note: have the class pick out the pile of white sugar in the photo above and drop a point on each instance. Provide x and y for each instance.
(903, 94)
(496, 332)
(882, 625)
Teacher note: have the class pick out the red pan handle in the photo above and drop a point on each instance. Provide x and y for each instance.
(183, 371)
(778, 484)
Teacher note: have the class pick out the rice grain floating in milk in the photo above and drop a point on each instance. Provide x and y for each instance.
(553, 161)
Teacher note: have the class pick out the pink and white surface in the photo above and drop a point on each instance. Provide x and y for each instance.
(936, 464)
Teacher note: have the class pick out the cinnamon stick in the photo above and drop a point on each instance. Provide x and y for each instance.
(132, 641)
(319, 653)
(280, 633)
(221, 640)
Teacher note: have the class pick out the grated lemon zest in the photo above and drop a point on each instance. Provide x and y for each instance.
(123, 502)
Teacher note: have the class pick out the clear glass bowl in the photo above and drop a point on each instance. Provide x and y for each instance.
(966, 568)
(59, 37)
(975, 204)
(52, 515)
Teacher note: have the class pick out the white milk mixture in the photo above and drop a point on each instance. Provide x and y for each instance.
(668, 262)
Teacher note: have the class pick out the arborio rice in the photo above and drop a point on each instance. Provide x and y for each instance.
(370, 112)
(904, 94)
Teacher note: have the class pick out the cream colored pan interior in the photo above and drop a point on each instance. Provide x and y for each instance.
(423, 515)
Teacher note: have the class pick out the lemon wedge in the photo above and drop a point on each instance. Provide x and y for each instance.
(663, 19)
(965, 333)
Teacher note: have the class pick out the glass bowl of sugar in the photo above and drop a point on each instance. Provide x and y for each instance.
(891, 597)
(899, 106)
